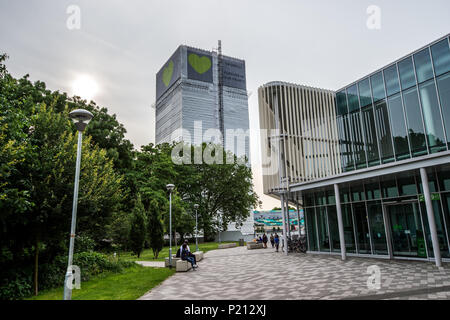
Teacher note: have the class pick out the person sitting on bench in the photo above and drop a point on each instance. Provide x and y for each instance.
(185, 256)
(190, 254)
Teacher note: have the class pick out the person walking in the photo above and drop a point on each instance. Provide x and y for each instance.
(264, 239)
(272, 240)
(277, 241)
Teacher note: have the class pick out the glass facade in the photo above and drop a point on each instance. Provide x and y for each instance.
(382, 215)
(397, 113)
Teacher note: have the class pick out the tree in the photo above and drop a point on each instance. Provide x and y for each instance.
(222, 190)
(155, 229)
(119, 229)
(138, 228)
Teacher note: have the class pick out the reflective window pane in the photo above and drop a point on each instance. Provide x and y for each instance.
(377, 86)
(352, 98)
(334, 229)
(341, 103)
(345, 142)
(389, 187)
(440, 228)
(378, 231)
(444, 178)
(308, 199)
(399, 132)
(407, 185)
(406, 70)
(422, 61)
(349, 234)
(362, 228)
(357, 192)
(446, 211)
(432, 117)
(311, 229)
(441, 57)
(443, 84)
(358, 140)
(365, 96)
(322, 224)
(384, 131)
(344, 193)
(391, 78)
(373, 191)
(406, 230)
(416, 131)
(370, 133)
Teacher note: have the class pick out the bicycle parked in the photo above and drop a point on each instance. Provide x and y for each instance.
(297, 245)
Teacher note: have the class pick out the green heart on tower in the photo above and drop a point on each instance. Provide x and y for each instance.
(199, 64)
(167, 73)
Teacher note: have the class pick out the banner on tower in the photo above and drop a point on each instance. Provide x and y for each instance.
(168, 74)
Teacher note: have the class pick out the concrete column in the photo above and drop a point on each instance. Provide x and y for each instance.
(288, 223)
(340, 221)
(430, 215)
(283, 237)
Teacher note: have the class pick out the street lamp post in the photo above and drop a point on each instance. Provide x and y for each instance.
(196, 227)
(81, 118)
(220, 226)
(170, 188)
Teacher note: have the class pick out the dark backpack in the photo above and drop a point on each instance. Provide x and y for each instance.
(178, 253)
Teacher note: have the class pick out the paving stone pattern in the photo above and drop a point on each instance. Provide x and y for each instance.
(238, 273)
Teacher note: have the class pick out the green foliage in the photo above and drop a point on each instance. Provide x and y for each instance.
(138, 228)
(155, 229)
(37, 165)
(84, 244)
(119, 230)
(38, 144)
(130, 284)
(19, 284)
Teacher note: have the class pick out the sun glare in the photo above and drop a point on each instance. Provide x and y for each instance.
(85, 87)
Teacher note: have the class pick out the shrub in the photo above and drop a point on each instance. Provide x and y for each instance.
(19, 283)
(84, 243)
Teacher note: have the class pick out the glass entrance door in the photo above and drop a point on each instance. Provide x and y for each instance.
(406, 230)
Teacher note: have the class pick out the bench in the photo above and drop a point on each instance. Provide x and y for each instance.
(183, 266)
(198, 255)
(254, 245)
(174, 261)
(227, 245)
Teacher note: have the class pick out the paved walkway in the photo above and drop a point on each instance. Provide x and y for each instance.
(238, 273)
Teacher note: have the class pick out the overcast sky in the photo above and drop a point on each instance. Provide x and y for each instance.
(122, 44)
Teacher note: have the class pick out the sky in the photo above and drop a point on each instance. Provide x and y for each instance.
(120, 45)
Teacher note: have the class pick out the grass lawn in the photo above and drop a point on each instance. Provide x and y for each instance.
(130, 284)
(147, 254)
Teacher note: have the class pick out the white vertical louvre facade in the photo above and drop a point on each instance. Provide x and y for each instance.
(310, 148)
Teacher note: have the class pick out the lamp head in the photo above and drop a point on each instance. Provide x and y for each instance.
(170, 187)
(81, 118)
(196, 206)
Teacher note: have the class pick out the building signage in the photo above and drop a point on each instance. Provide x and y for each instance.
(169, 74)
(199, 66)
(233, 73)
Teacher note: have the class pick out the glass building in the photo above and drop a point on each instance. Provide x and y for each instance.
(391, 196)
